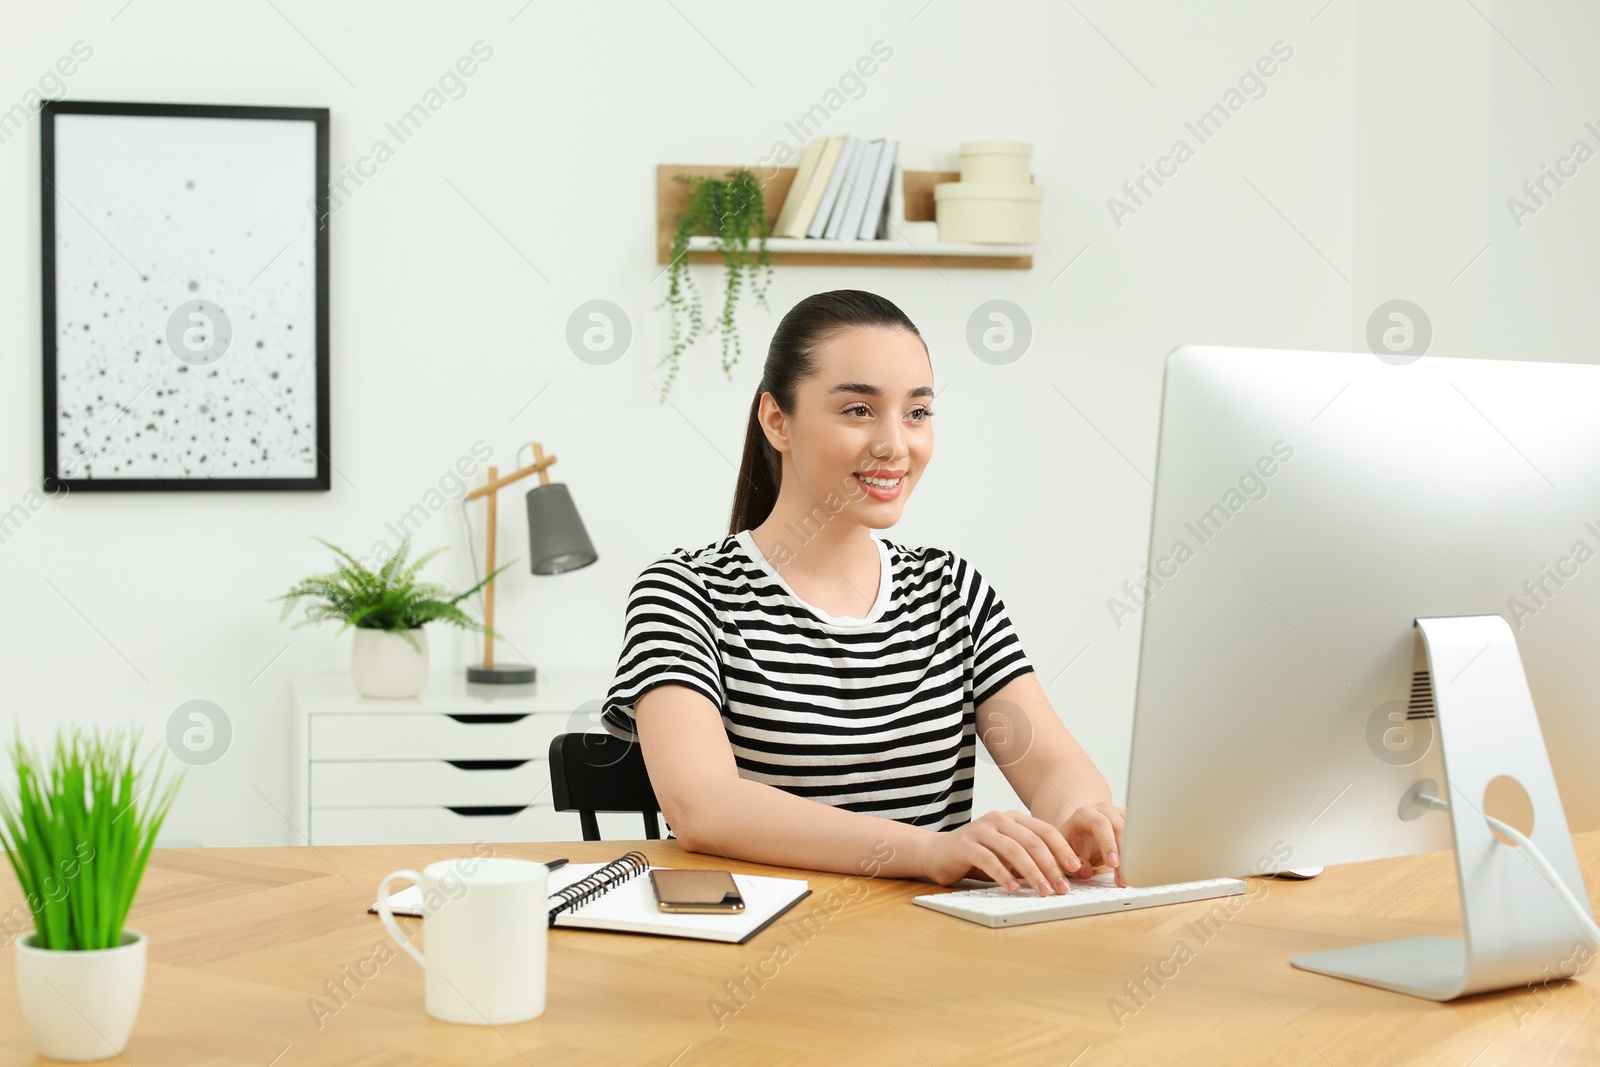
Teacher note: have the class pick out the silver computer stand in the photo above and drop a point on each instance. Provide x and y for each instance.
(1517, 929)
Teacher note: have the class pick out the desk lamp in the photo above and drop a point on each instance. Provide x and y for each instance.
(557, 542)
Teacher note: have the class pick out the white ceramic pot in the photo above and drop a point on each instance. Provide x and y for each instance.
(996, 162)
(384, 665)
(81, 1005)
(987, 214)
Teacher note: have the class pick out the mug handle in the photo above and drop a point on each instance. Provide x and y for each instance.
(387, 915)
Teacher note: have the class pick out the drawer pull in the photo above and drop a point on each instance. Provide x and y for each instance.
(486, 764)
(489, 809)
(486, 718)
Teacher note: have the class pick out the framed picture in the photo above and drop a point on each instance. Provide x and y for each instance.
(185, 254)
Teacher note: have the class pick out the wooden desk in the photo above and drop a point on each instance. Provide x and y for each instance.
(242, 941)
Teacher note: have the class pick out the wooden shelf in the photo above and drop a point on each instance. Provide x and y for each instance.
(672, 196)
(809, 247)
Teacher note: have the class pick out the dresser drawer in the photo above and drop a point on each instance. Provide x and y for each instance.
(434, 826)
(423, 736)
(428, 783)
(456, 764)
(426, 826)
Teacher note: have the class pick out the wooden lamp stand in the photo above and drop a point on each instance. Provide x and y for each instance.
(489, 672)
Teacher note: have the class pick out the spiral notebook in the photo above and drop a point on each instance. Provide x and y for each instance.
(616, 896)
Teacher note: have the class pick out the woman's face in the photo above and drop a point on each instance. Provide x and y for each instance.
(866, 413)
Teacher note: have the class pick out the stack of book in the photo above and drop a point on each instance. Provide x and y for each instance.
(841, 191)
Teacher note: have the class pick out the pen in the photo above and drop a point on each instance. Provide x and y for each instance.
(553, 864)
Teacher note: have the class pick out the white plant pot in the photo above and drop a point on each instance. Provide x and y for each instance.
(81, 1005)
(385, 666)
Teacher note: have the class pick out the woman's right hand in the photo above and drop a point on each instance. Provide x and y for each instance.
(1008, 847)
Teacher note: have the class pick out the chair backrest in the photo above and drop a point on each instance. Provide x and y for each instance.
(594, 771)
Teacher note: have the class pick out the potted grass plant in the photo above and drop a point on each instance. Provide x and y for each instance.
(78, 835)
(388, 609)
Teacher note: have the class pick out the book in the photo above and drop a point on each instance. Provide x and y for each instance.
(807, 209)
(616, 896)
(860, 188)
(830, 194)
(849, 193)
(786, 225)
(875, 223)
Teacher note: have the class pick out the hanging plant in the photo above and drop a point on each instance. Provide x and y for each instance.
(731, 210)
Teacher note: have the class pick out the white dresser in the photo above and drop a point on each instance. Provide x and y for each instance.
(458, 763)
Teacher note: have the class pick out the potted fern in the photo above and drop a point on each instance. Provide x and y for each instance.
(78, 835)
(732, 210)
(388, 609)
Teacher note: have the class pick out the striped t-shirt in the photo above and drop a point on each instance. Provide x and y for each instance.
(872, 714)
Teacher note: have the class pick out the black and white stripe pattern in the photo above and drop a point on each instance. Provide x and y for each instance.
(872, 714)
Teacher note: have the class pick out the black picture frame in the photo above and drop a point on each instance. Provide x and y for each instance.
(57, 480)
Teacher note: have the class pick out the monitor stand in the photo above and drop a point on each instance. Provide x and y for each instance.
(1518, 930)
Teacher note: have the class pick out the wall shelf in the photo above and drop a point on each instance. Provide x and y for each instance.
(933, 250)
(673, 195)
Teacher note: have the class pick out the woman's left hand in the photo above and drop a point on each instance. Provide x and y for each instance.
(1095, 833)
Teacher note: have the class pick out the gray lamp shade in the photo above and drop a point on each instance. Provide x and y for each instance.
(557, 540)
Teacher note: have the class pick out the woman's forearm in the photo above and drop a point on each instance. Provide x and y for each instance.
(743, 819)
(1072, 783)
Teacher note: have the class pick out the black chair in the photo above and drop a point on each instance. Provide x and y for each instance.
(592, 772)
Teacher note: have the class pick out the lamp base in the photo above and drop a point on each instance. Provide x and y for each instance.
(501, 674)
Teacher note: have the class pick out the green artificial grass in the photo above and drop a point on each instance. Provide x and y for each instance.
(78, 836)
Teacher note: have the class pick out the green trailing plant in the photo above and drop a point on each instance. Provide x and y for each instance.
(730, 209)
(78, 836)
(389, 598)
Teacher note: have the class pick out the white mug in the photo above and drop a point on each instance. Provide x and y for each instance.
(486, 926)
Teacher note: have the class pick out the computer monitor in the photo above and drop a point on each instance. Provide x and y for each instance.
(1310, 508)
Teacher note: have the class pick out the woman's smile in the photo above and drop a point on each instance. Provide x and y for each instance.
(881, 484)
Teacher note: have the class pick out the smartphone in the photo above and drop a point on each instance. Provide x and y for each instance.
(711, 892)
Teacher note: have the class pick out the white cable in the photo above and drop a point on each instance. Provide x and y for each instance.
(472, 551)
(1544, 867)
(1585, 918)
(472, 545)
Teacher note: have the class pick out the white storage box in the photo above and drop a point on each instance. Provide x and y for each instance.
(984, 213)
(997, 162)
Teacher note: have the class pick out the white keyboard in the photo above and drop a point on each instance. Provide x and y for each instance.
(1091, 896)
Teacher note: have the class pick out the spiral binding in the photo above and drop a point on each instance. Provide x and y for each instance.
(579, 893)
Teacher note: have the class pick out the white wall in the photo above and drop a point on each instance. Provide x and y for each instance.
(444, 326)
(1542, 273)
(1421, 162)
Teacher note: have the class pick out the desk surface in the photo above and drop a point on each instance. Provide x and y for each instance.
(243, 940)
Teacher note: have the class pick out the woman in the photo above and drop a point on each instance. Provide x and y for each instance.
(808, 695)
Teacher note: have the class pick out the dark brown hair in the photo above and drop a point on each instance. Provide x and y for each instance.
(791, 359)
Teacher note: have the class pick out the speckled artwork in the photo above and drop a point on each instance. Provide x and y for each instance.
(185, 298)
